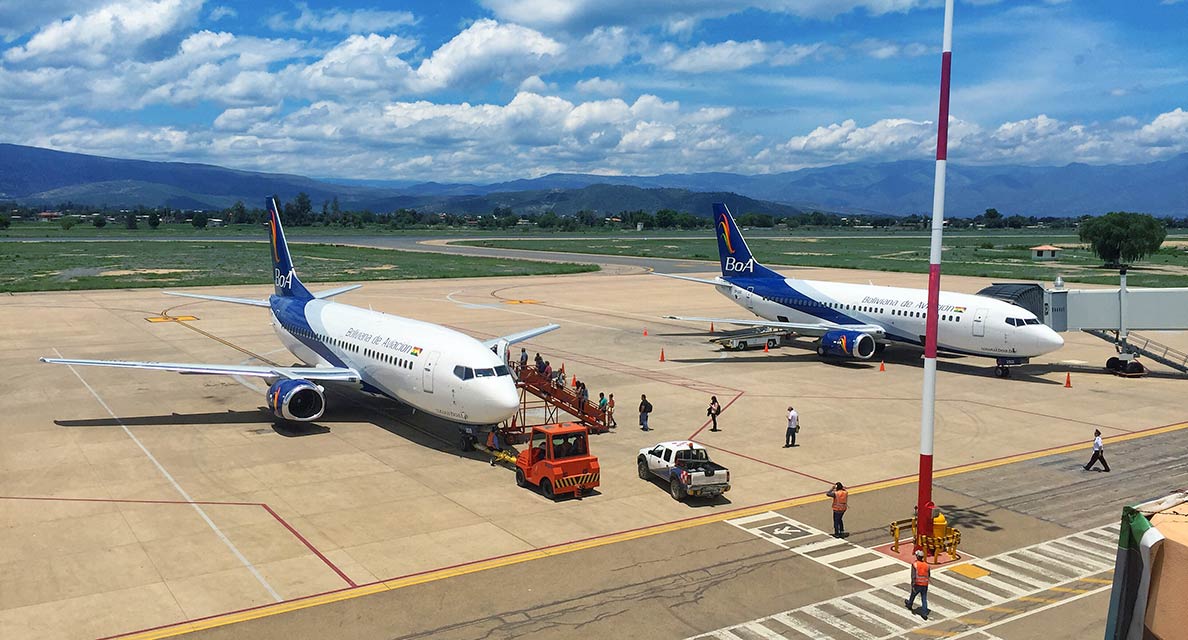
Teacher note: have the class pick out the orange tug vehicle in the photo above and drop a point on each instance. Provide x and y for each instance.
(558, 461)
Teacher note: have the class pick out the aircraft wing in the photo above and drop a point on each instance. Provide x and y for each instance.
(254, 303)
(715, 281)
(331, 374)
(521, 336)
(330, 293)
(802, 328)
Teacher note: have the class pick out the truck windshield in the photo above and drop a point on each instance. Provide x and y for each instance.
(569, 446)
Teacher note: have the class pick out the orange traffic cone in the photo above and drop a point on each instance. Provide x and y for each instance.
(765, 349)
(1068, 380)
(645, 332)
(882, 366)
(574, 382)
(662, 355)
(711, 327)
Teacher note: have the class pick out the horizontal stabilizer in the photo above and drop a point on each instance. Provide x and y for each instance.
(331, 374)
(521, 336)
(248, 301)
(692, 279)
(330, 293)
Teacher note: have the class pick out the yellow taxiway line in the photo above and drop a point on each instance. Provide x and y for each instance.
(579, 545)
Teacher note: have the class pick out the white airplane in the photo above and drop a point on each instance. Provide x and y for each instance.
(426, 366)
(856, 321)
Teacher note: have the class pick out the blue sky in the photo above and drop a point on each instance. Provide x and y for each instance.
(501, 89)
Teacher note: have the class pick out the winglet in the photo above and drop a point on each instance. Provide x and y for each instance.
(735, 256)
(283, 275)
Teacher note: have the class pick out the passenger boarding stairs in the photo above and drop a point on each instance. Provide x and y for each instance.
(553, 398)
(1134, 343)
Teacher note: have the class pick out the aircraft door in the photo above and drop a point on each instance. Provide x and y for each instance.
(427, 376)
(979, 323)
(750, 298)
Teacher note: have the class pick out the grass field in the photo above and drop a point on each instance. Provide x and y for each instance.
(59, 266)
(993, 256)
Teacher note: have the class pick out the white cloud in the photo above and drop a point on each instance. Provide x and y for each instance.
(220, 12)
(533, 84)
(599, 86)
(341, 21)
(19, 17)
(489, 49)
(734, 56)
(677, 16)
(111, 32)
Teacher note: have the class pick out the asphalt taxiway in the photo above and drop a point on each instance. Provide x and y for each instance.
(154, 504)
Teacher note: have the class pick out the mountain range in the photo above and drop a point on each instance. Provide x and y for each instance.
(43, 176)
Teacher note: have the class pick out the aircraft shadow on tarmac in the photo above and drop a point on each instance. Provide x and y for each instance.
(966, 517)
(947, 362)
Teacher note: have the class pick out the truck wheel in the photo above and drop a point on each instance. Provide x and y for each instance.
(644, 474)
(1114, 364)
(521, 481)
(465, 442)
(741, 345)
(1135, 368)
(677, 491)
(546, 489)
(820, 351)
(771, 343)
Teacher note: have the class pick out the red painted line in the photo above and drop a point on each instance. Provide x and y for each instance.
(309, 546)
(942, 121)
(770, 464)
(708, 422)
(267, 508)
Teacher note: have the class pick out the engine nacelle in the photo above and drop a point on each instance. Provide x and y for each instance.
(298, 400)
(848, 344)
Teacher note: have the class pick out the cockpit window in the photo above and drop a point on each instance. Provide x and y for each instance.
(1014, 322)
(1032, 321)
(463, 373)
(502, 370)
(484, 373)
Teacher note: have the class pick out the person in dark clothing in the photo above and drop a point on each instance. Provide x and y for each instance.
(645, 408)
(1098, 453)
(713, 412)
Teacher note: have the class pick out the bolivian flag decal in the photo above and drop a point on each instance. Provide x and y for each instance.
(416, 351)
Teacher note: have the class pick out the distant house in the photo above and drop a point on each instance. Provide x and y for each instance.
(215, 222)
(1045, 252)
(49, 216)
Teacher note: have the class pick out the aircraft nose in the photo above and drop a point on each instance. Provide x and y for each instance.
(500, 402)
(1049, 341)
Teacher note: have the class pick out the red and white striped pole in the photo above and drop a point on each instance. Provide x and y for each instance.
(927, 415)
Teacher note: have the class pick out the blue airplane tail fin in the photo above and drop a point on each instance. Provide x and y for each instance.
(283, 274)
(733, 252)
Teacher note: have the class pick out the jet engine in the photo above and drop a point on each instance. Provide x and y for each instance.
(848, 344)
(298, 400)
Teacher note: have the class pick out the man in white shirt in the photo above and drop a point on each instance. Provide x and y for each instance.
(1098, 452)
(793, 428)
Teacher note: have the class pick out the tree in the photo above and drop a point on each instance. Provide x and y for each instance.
(154, 220)
(239, 214)
(1121, 237)
(199, 220)
(5, 221)
(130, 221)
(99, 220)
(68, 222)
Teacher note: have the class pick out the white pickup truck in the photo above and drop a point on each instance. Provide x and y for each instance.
(686, 467)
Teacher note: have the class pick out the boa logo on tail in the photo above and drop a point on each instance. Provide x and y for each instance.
(726, 234)
(734, 264)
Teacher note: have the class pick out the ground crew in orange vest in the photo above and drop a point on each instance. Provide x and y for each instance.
(920, 571)
(840, 496)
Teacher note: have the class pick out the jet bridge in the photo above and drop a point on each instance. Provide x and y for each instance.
(1110, 314)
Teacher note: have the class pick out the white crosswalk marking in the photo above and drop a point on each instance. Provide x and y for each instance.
(854, 632)
(799, 626)
(758, 629)
(877, 612)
